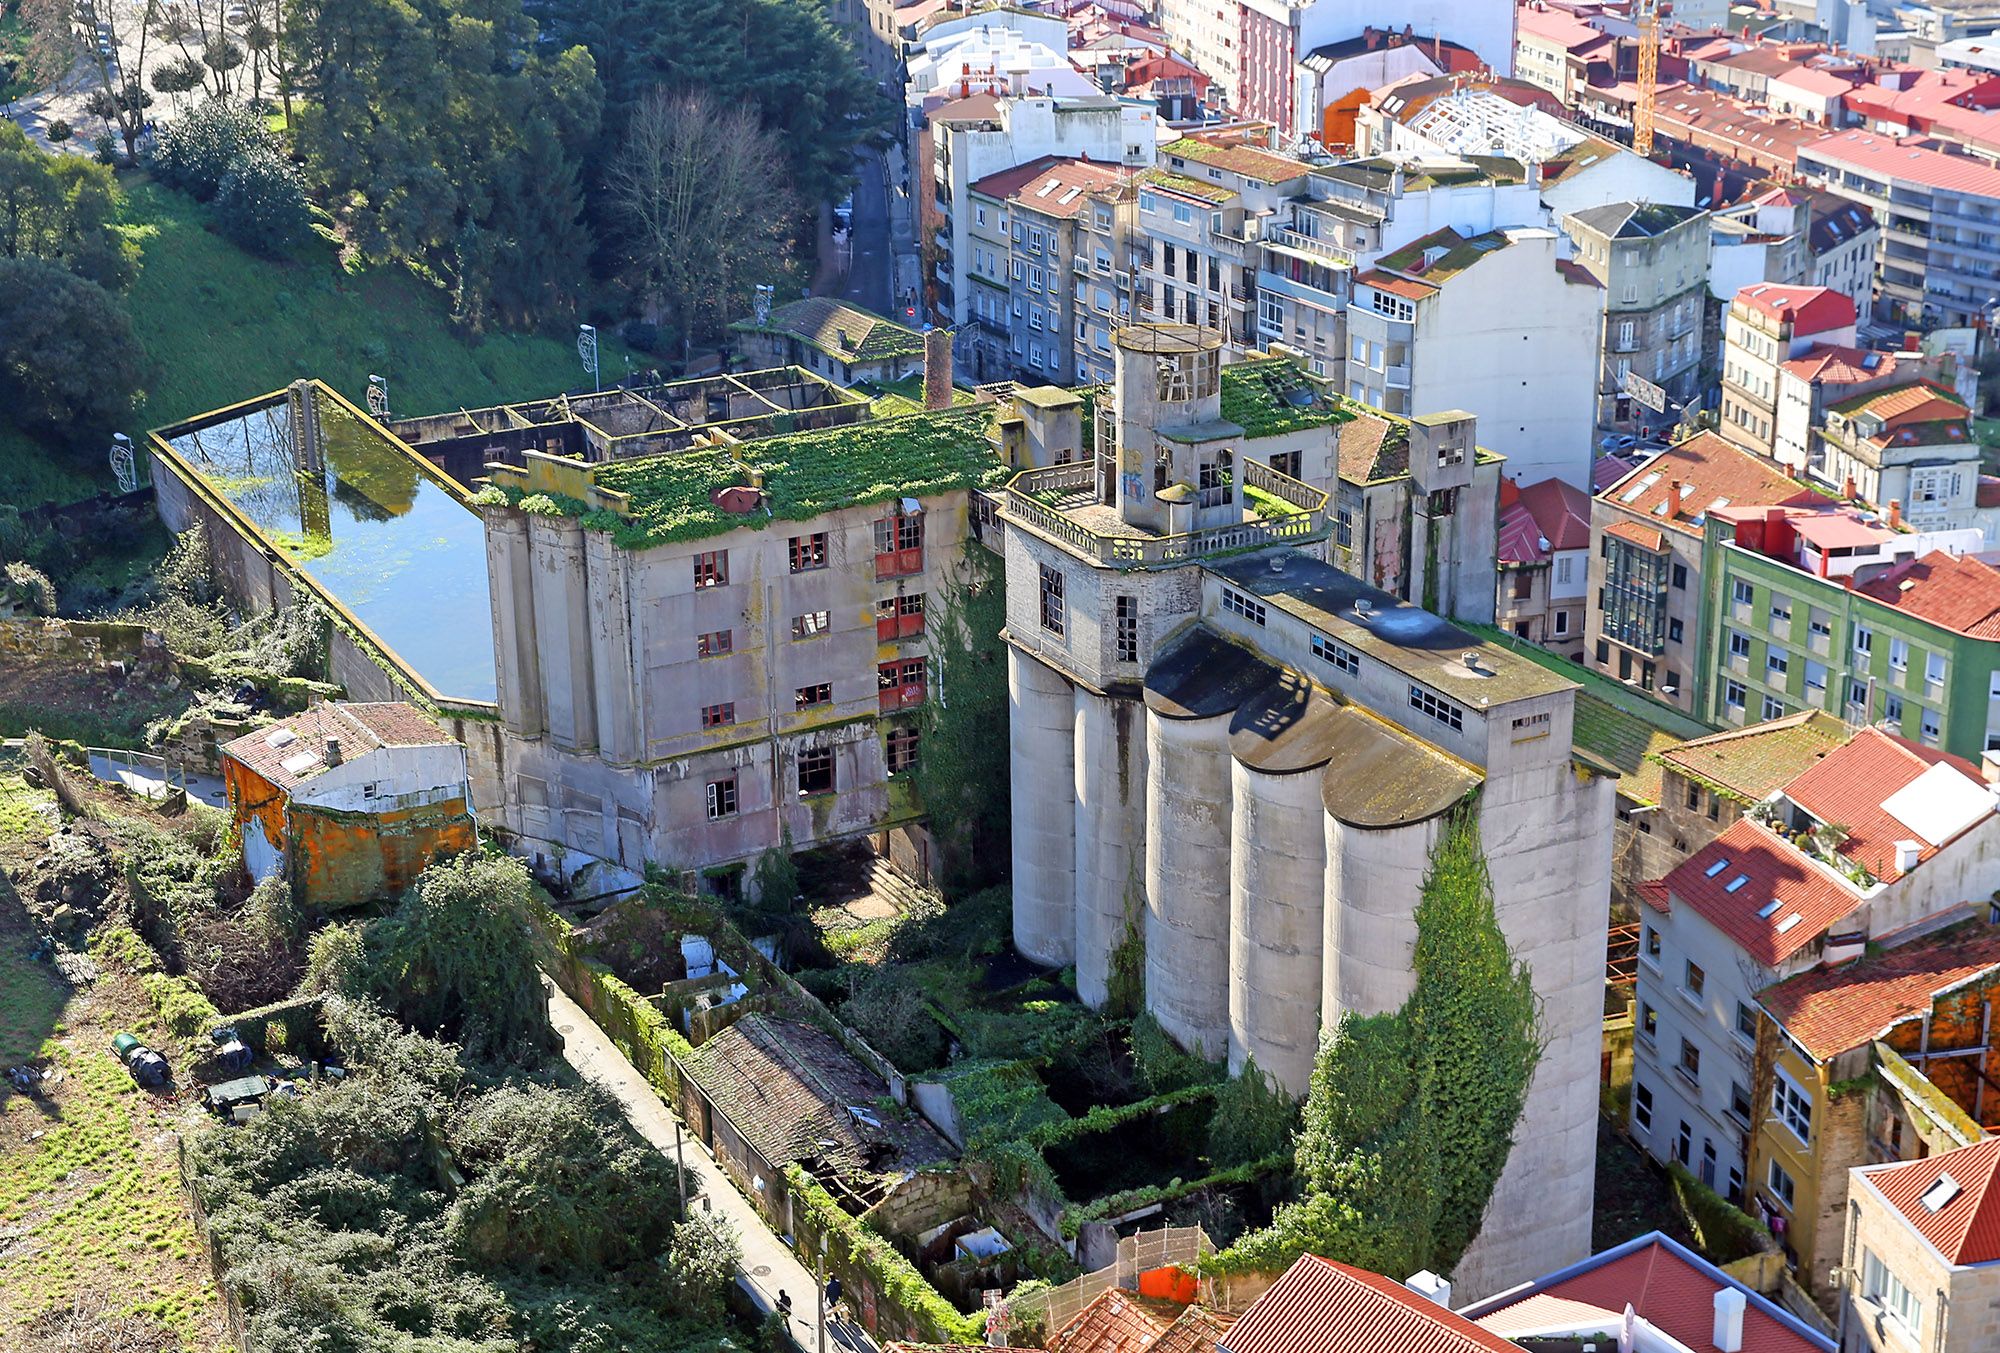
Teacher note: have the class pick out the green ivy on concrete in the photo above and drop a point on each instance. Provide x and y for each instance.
(1411, 1115)
(902, 1288)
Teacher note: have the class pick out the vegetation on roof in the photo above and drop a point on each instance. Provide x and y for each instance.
(1460, 253)
(1254, 398)
(1181, 183)
(999, 1101)
(842, 331)
(805, 474)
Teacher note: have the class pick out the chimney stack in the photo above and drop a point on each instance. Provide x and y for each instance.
(1906, 856)
(1673, 499)
(1895, 513)
(1728, 1332)
(333, 757)
(1847, 488)
(937, 368)
(1427, 1284)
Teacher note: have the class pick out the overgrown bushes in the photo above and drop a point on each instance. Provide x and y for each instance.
(857, 1250)
(221, 152)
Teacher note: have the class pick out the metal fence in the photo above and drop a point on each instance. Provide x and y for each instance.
(1141, 1253)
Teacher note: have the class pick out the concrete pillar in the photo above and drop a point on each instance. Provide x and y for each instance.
(563, 612)
(614, 665)
(1373, 880)
(1277, 892)
(1041, 762)
(1187, 878)
(517, 667)
(1110, 764)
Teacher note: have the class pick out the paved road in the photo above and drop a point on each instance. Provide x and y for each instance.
(869, 280)
(768, 1263)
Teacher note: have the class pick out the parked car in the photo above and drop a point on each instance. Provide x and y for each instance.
(1618, 441)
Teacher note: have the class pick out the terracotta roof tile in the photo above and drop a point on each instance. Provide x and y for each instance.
(1834, 364)
(1644, 536)
(1965, 1228)
(1519, 540)
(1608, 470)
(1850, 786)
(1812, 310)
(360, 728)
(1373, 447)
(845, 332)
(1831, 1011)
(1712, 473)
(1887, 156)
(1252, 162)
(1396, 286)
(1920, 401)
(1562, 510)
(1956, 592)
(1116, 1321)
(1051, 186)
(1810, 898)
(1320, 1306)
(1751, 762)
(1199, 1330)
(1662, 1286)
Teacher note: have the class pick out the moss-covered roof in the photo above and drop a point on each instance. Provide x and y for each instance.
(844, 332)
(1257, 396)
(805, 474)
(1459, 254)
(1180, 183)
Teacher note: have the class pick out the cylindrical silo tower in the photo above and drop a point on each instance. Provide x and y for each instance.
(1110, 833)
(1277, 884)
(1192, 694)
(1385, 796)
(1042, 713)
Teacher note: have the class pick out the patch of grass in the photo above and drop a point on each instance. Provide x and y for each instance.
(222, 325)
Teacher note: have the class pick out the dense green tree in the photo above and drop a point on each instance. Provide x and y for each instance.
(1411, 1115)
(261, 204)
(962, 774)
(60, 208)
(417, 118)
(69, 365)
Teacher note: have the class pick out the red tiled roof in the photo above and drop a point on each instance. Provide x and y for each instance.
(1052, 185)
(1812, 310)
(1831, 1011)
(1562, 511)
(1662, 1288)
(1397, 286)
(1608, 470)
(1115, 1322)
(1835, 365)
(1199, 1330)
(1165, 67)
(1955, 592)
(1849, 786)
(1814, 81)
(360, 729)
(1751, 762)
(1711, 473)
(1809, 897)
(1920, 401)
(1519, 540)
(1320, 1306)
(1557, 26)
(1966, 1228)
(1639, 535)
(1914, 164)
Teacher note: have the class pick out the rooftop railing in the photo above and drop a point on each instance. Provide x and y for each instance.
(1027, 503)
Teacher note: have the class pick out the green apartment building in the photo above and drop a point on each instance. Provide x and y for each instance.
(1834, 611)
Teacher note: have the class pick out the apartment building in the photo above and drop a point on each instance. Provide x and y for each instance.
(1433, 319)
(1836, 1104)
(1939, 256)
(1207, 33)
(1107, 263)
(1911, 449)
(1554, 49)
(1766, 327)
(1201, 212)
(1831, 609)
(1652, 262)
(1828, 375)
(1030, 236)
(1543, 553)
(1921, 1263)
(1859, 850)
(1645, 623)
(832, 338)
(1336, 80)
(1280, 699)
(969, 139)
(1796, 236)
(726, 648)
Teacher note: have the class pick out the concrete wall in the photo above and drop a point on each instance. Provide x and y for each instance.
(1110, 777)
(1042, 748)
(1188, 820)
(1277, 892)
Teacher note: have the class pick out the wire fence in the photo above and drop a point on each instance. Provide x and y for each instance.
(1165, 1248)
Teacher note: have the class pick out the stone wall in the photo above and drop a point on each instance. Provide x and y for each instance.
(927, 1198)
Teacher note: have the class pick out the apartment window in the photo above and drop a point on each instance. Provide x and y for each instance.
(901, 747)
(1774, 708)
(721, 798)
(1683, 1142)
(1649, 1022)
(1735, 1193)
(1743, 593)
(1252, 611)
(711, 569)
(808, 552)
(1739, 1102)
(1696, 979)
(1680, 577)
(1690, 1066)
(1694, 796)
(1652, 949)
(1125, 635)
(1733, 694)
(1746, 1023)
(1934, 669)
(1739, 645)
(819, 693)
(1782, 1187)
(1674, 630)
(1052, 599)
(815, 771)
(1446, 713)
(1561, 623)
(1642, 1106)
(712, 645)
(1790, 1105)
(1821, 625)
(1892, 709)
(1864, 640)
(1781, 614)
(1932, 727)
(718, 716)
(1886, 1290)
(1899, 655)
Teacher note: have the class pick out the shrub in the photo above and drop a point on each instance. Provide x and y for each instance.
(888, 1010)
(69, 361)
(58, 131)
(28, 587)
(261, 204)
(1254, 1119)
(105, 148)
(197, 150)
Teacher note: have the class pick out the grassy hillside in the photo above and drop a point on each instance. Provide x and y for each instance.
(224, 325)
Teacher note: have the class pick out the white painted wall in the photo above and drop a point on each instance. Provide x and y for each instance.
(388, 777)
(1486, 26)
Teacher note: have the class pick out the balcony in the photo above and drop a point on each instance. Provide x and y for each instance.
(1397, 377)
(1060, 502)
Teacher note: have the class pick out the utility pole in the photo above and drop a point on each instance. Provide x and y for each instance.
(681, 1166)
(819, 1296)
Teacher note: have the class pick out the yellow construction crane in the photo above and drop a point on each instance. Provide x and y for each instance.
(1648, 14)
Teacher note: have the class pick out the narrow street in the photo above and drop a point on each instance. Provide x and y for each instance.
(769, 1266)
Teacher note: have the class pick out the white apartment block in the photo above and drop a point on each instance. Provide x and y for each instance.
(1304, 738)
(1766, 327)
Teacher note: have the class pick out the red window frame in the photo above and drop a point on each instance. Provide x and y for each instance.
(711, 569)
(718, 716)
(900, 617)
(899, 545)
(900, 684)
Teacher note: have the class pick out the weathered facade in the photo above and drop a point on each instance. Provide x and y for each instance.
(1231, 772)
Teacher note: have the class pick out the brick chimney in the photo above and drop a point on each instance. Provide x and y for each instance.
(1895, 513)
(937, 368)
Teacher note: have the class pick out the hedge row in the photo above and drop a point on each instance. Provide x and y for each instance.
(903, 1297)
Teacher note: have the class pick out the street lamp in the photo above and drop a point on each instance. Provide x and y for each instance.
(378, 396)
(586, 348)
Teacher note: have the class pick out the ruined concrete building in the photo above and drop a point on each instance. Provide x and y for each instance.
(1237, 757)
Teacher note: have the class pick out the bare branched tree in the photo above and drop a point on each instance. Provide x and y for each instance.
(699, 190)
(117, 95)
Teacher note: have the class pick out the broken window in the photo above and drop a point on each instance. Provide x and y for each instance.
(899, 545)
(718, 716)
(820, 693)
(721, 798)
(809, 552)
(810, 624)
(711, 569)
(816, 770)
(901, 683)
(902, 745)
(899, 617)
(1052, 599)
(1126, 633)
(712, 645)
